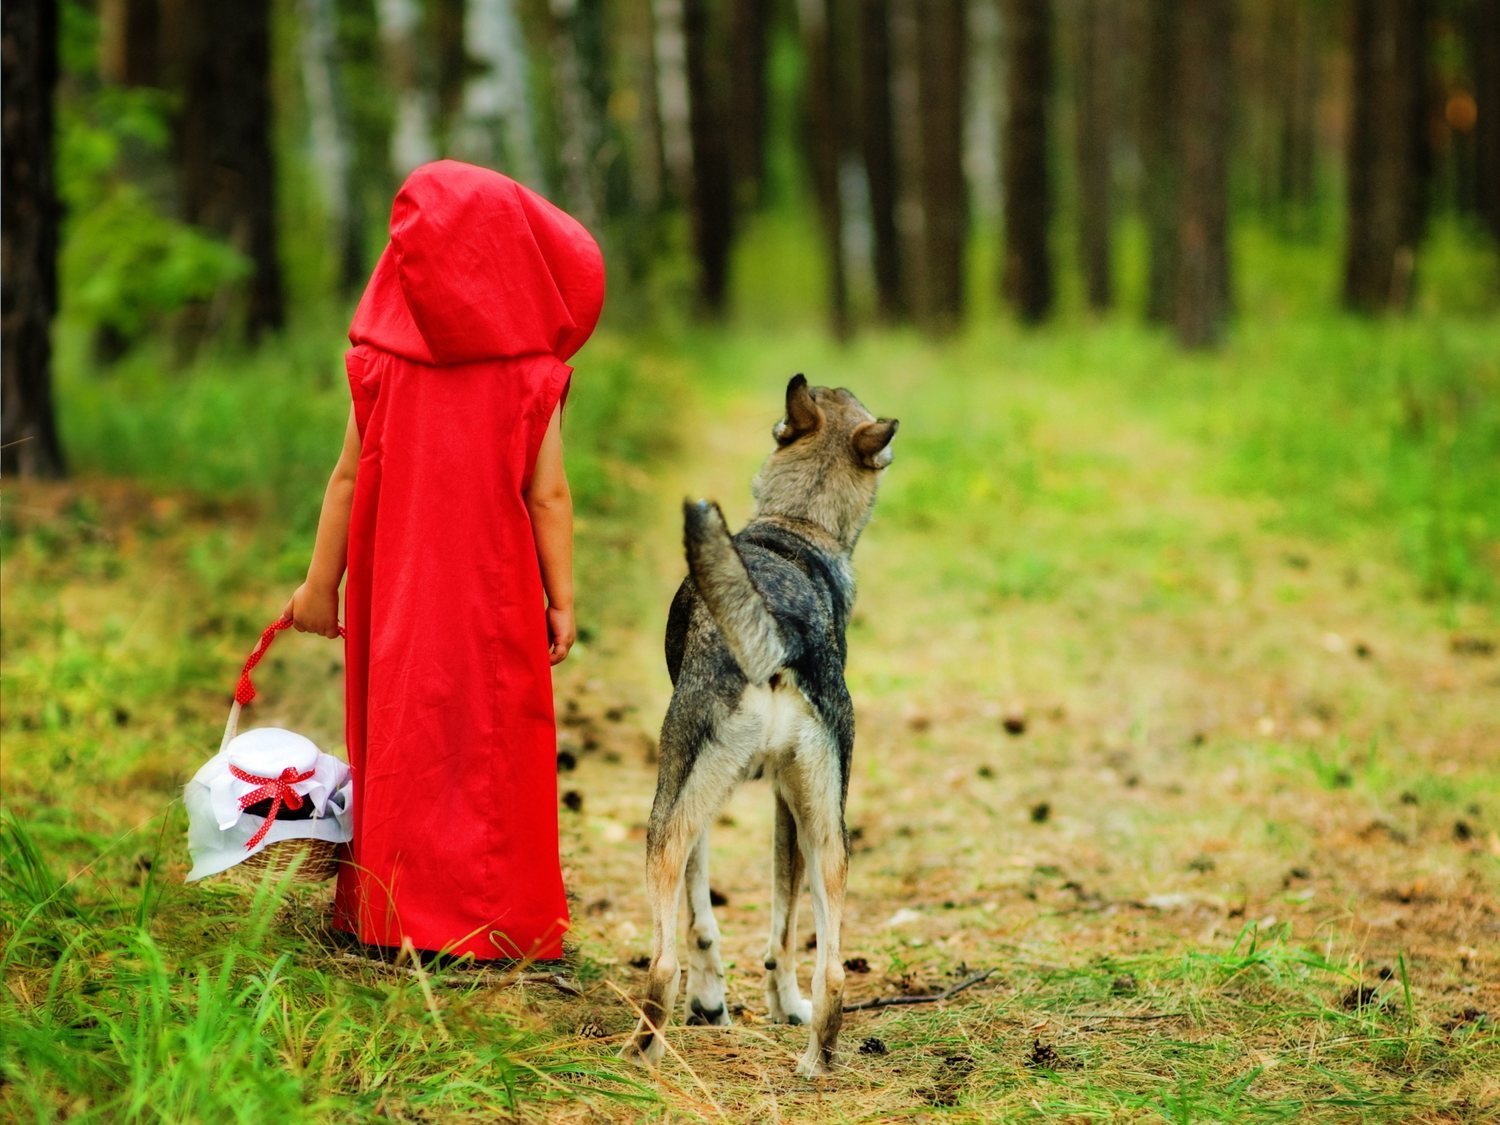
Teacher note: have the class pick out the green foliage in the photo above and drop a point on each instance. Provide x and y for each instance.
(125, 266)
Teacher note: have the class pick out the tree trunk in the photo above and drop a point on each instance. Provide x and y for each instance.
(713, 176)
(28, 243)
(824, 131)
(1026, 280)
(1202, 286)
(495, 126)
(669, 57)
(450, 61)
(1297, 161)
(130, 42)
(878, 142)
(224, 138)
(1483, 39)
(1094, 135)
(1160, 116)
(940, 51)
(750, 22)
(907, 131)
(577, 34)
(413, 140)
(332, 142)
(1386, 192)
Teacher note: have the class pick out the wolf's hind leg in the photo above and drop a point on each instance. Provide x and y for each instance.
(705, 983)
(665, 859)
(783, 1001)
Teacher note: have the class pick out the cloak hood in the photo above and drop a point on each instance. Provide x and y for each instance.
(479, 267)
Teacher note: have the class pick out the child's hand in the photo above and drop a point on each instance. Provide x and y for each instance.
(314, 609)
(561, 632)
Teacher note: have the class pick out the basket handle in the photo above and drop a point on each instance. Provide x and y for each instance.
(244, 690)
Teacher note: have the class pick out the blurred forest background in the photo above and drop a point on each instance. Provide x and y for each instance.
(196, 172)
(1175, 656)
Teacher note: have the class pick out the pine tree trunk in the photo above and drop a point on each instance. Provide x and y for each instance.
(332, 142)
(750, 24)
(713, 175)
(1094, 136)
(224, 139)
(1386, 189)
(1160, 117)
(130, 42)
(940, 53)
(1297, 159)
(824, 130)
(878, 142)
(28, 242)
(1202, 286)
(1026, 280)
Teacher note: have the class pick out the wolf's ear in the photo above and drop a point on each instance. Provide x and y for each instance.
(802, 414)
(872, 442)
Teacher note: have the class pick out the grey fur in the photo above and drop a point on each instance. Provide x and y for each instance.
(755, 648)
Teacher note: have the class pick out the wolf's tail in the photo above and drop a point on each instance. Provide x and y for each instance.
(718, 572)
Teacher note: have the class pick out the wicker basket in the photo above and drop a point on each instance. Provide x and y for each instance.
(315, 861)
(308, 861)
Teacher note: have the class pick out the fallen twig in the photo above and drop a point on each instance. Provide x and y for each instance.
(466, 978)
(892, 1001)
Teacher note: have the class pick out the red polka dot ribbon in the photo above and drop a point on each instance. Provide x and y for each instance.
(278, 788)
(244, 691)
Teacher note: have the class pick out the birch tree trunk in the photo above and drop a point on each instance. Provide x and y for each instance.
(413, 140)
(670, 57)
(577, 25)
(495, 126)
(28, 240)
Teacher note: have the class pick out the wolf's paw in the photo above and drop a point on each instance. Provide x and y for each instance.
(815, 1062)
(700, 1013)
(644, 1048)
(797, 1012)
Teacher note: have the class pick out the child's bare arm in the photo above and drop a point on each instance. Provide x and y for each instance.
(314, 608)
(551, 506)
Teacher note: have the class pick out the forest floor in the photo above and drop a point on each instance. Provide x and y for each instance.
(1212, 800)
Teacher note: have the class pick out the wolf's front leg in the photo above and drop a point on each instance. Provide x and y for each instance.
(783, 1001)
(705, 982)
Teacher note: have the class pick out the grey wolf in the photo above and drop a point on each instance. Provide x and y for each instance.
(755, 647)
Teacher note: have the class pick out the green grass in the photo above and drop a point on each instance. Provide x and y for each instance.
(160, 1004)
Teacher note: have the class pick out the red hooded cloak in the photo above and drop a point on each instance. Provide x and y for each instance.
(457, 365)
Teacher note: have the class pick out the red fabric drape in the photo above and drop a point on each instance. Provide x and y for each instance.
(457, 365)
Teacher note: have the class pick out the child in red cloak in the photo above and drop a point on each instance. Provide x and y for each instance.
(451, 509)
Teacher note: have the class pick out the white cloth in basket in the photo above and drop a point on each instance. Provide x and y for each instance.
(218, 829)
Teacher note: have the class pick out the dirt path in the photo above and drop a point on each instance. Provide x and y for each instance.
(1250, 738)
